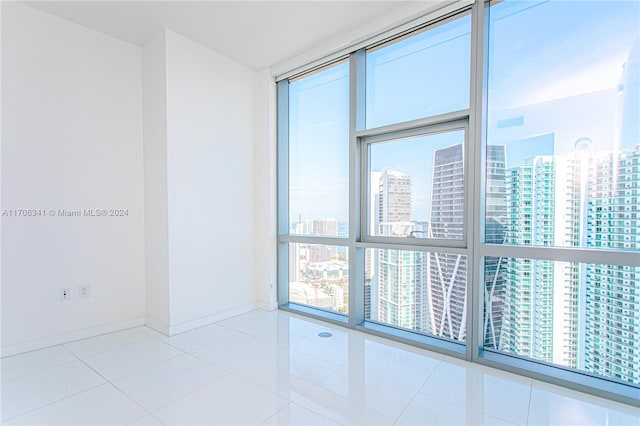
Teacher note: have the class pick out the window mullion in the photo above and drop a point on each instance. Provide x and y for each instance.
(357, 107)
(476, 181)
(283, 190)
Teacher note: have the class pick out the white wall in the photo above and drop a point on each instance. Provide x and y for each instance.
(199, 184)
(174, 133)
(154, 78)
(71, 139)
(210, 183)
(265, 190)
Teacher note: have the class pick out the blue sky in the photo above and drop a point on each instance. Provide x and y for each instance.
(414, 157)
(538, 52)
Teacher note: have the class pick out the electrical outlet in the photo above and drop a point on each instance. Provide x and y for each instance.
(84, 292)
(65, 294)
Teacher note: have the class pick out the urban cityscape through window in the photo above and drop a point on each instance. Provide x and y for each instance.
(563, 170)
(561, 162)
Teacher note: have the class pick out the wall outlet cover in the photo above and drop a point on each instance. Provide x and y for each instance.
(84, 292)
(65, 294)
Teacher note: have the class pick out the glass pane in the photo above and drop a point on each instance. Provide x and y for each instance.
(419, 291)
(319, 153)
(577, 315)
(416, 187)
(419, 76)
(319, 276)
(563, 156)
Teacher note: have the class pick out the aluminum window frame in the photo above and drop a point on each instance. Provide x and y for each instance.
(285, 238)
(552, 373)
(456, 121)
(474, 247)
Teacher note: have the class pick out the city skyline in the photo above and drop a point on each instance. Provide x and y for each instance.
(536, 308)
(319, 109)
(562, 170)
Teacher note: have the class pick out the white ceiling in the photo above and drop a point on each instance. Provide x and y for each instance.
(257, 34)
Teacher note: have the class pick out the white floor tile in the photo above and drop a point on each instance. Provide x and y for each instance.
(291, 375)
(128, 359)
(483, 420)
(504, 395)
(104, 405)
(36, 390)
(494, 421)
(273, 368)
(337, 349)
(553, 405)
(30, 362)
(166, 382)
(454, 381)
(373, 393)
(426, 410)
(149, 331)
(106, 342)
(403, 367)
(239, 351)
(229, 401)
(249, 320)
(147, 420)
(285, 330)
(341, 409)
(199, 338)
(296, 415)
(301, 326)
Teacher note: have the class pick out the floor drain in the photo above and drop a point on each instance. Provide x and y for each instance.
(325, 334)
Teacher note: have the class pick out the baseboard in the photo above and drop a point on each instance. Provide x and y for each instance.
(210, 319)
(161, 328)
(268, 306)
(60, 339)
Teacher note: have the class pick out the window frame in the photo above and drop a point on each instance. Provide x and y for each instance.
(473, 246)
(458, 121)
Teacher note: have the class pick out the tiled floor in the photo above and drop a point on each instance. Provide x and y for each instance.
(272, 368)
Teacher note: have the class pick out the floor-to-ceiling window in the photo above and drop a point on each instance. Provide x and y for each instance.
(414, 178)
(473, 185)
(562, 185)
(318, 188)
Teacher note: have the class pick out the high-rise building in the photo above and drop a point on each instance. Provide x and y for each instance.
(402, 281)
(294, 262)
(447, 290)
(571, 314)
(394, 200)
(401, 274)
(370, 258)
(323, 227)
(541, 301)
(517, 317)
(495, 233)
(612, 292)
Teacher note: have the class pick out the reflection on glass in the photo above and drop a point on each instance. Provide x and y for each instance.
(416, 187)
(319, 276)
(319, 152)
(419, 76)
(563, 154)
(563, 170)
(419, 291)
(577, 315)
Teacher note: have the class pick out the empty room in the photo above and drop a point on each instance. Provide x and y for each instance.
(320, 212)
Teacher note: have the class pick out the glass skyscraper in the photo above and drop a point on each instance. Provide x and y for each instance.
(577, 315)
(402, 274)
(448, 272)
